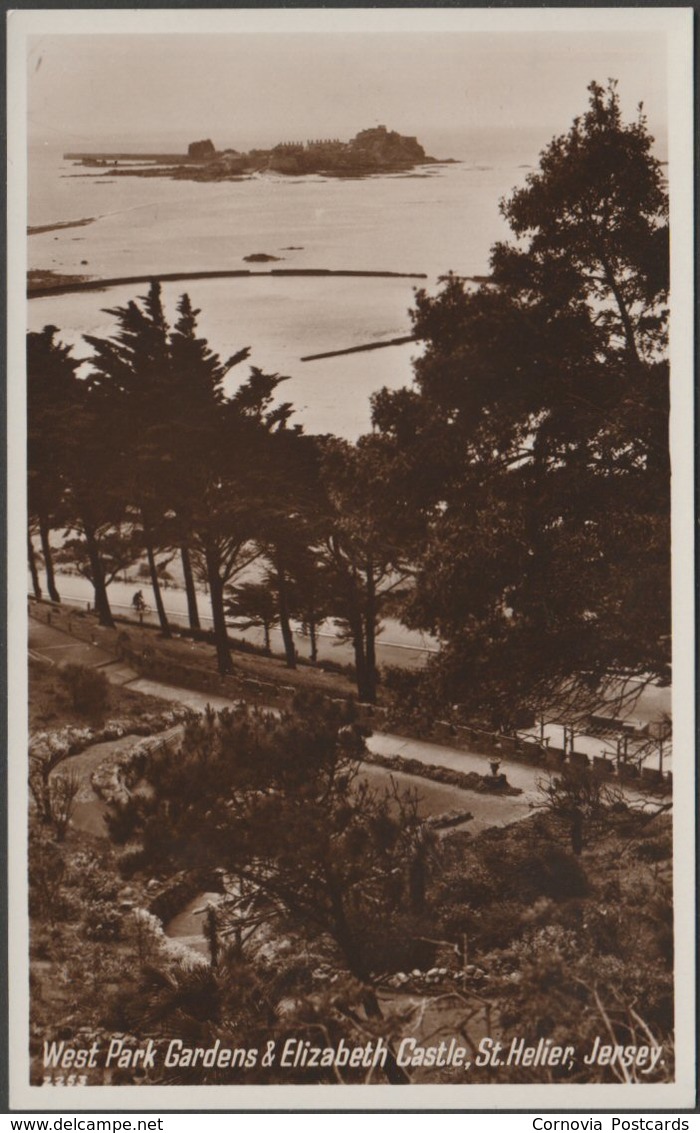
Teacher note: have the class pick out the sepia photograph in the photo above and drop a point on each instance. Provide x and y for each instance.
(351, 480)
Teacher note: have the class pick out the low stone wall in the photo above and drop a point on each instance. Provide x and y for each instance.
(114, 777)
(60, 743)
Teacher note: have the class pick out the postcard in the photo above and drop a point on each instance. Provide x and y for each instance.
(351, 479)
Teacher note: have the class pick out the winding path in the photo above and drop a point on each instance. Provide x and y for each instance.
(487, 810)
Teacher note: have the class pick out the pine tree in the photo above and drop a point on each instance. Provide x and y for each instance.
(51, 396)
(536, 435)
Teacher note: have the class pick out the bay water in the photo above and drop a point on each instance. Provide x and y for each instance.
(428, 221)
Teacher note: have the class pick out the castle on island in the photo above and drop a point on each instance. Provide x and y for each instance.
(375, 150)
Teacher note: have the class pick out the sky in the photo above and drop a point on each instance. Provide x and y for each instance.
(155, 90)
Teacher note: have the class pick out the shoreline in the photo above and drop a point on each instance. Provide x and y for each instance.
(201, 175)
(38, 229)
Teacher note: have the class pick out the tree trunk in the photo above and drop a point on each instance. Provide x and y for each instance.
(630, 339)
(104, 613)
(417, 876)
(283, 601)
(370, 634)
(341, 929)
(155, 583)
(313, 640)
(192, 610)
(396, 1075)
(36, 585)
(216, 594)
(344, 937)
(266, 628)
(48, 559)
(358, 645)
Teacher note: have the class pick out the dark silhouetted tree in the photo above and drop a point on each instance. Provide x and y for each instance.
(363, 547)
(253, 605)
(536, 436)
(51, 405)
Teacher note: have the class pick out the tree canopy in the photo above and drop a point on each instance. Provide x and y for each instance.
(281, 803)
(538, 423)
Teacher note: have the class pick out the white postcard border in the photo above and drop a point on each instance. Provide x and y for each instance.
(676, 24)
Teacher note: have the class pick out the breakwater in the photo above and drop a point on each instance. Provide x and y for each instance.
(360, 349)
(35, 292)
(113, 158)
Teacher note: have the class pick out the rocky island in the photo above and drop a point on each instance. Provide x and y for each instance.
(372, 151)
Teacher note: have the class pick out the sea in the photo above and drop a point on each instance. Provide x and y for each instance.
(428, 221)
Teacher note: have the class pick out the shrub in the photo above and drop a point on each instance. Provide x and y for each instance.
(47, 875)
(103, 921)
(475, 886)
(89, 690)
(122, 820)
(497, 925)
(410, 706)
(93, 876)
(555, 874)
(44, 942)
(63, 794)
(130, 862)
(144, 932)
(655, 850)
(396, 946)
(660, 912)
(603, 930)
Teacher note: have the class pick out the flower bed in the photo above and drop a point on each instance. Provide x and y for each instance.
(466, 781)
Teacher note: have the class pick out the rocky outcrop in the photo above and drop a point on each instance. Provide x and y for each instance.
(201, 150)
(291, 163)
(380, 147)
(228, 162)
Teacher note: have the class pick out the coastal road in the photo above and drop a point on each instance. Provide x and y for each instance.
(396, 645)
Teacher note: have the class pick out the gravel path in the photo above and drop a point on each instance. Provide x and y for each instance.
(89, 811)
